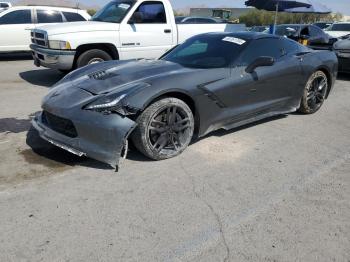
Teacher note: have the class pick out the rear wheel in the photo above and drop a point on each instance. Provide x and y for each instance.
(165, 129)
(92, 56)
(314, 93)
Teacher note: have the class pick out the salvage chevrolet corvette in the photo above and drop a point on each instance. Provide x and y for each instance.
(212, 81)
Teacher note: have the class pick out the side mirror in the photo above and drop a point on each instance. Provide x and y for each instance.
(136, 18)
(260, 61)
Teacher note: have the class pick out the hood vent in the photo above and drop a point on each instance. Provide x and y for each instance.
(101, 75)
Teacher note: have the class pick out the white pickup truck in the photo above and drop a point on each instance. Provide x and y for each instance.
(123, 29)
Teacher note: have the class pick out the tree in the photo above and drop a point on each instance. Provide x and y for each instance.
(91, 11)
(177, 13)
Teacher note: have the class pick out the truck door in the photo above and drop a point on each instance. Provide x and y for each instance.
(147, 33)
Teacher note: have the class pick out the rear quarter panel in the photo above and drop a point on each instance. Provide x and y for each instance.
(326, 61)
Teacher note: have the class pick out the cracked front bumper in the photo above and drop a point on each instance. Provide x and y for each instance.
(101, 137)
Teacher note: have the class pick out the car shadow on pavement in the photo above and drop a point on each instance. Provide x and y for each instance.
(16, 56)
(42, 77)
(44, 151)
(343, 77)
(135, 155)
(14, 125)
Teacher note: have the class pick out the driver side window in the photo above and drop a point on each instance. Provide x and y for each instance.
(152, 12)
(262, 47)
(17, 17)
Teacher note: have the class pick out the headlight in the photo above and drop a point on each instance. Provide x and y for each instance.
(112, 102)
(61, 45)
(108, 102)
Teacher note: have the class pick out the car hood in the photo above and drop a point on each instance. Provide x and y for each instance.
(77, 27)
(125, 77)
(337, 33)
(110, 76)
(342, 45)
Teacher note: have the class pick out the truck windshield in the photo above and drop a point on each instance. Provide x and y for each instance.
(207, 51)
(114, 12)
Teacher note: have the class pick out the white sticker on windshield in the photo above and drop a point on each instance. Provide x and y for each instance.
(234, 40)
(124, 6)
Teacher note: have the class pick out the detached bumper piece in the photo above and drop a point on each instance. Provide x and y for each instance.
(55, 59)
(95, 135)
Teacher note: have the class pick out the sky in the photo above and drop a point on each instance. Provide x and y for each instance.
(342, 6)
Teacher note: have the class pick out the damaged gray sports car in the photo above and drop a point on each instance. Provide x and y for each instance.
(212, 81)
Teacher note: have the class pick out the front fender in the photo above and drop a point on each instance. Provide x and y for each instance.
(88, 38)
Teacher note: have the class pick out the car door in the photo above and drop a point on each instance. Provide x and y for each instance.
(148, 33)
(267, 89)
(15, 29)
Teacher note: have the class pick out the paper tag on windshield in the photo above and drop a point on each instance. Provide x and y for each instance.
(124, 6)
(234, 40)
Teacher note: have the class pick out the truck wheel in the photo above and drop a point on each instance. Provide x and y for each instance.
(92, 56)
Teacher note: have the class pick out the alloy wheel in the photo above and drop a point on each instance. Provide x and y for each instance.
(169, 130)
(317, 92)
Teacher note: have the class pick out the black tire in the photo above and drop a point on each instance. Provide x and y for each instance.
(314, 93)
(165, 129)
(64, 71)
(92, 56)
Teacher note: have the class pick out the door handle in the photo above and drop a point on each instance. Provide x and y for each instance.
(167, 31)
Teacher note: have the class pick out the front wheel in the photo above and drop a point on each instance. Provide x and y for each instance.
(164, 130)
(92, 56)
(314, 93)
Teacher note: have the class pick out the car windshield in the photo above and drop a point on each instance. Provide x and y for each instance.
(207, 51)
(287, 30)
(340, 27)
(113, 12)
